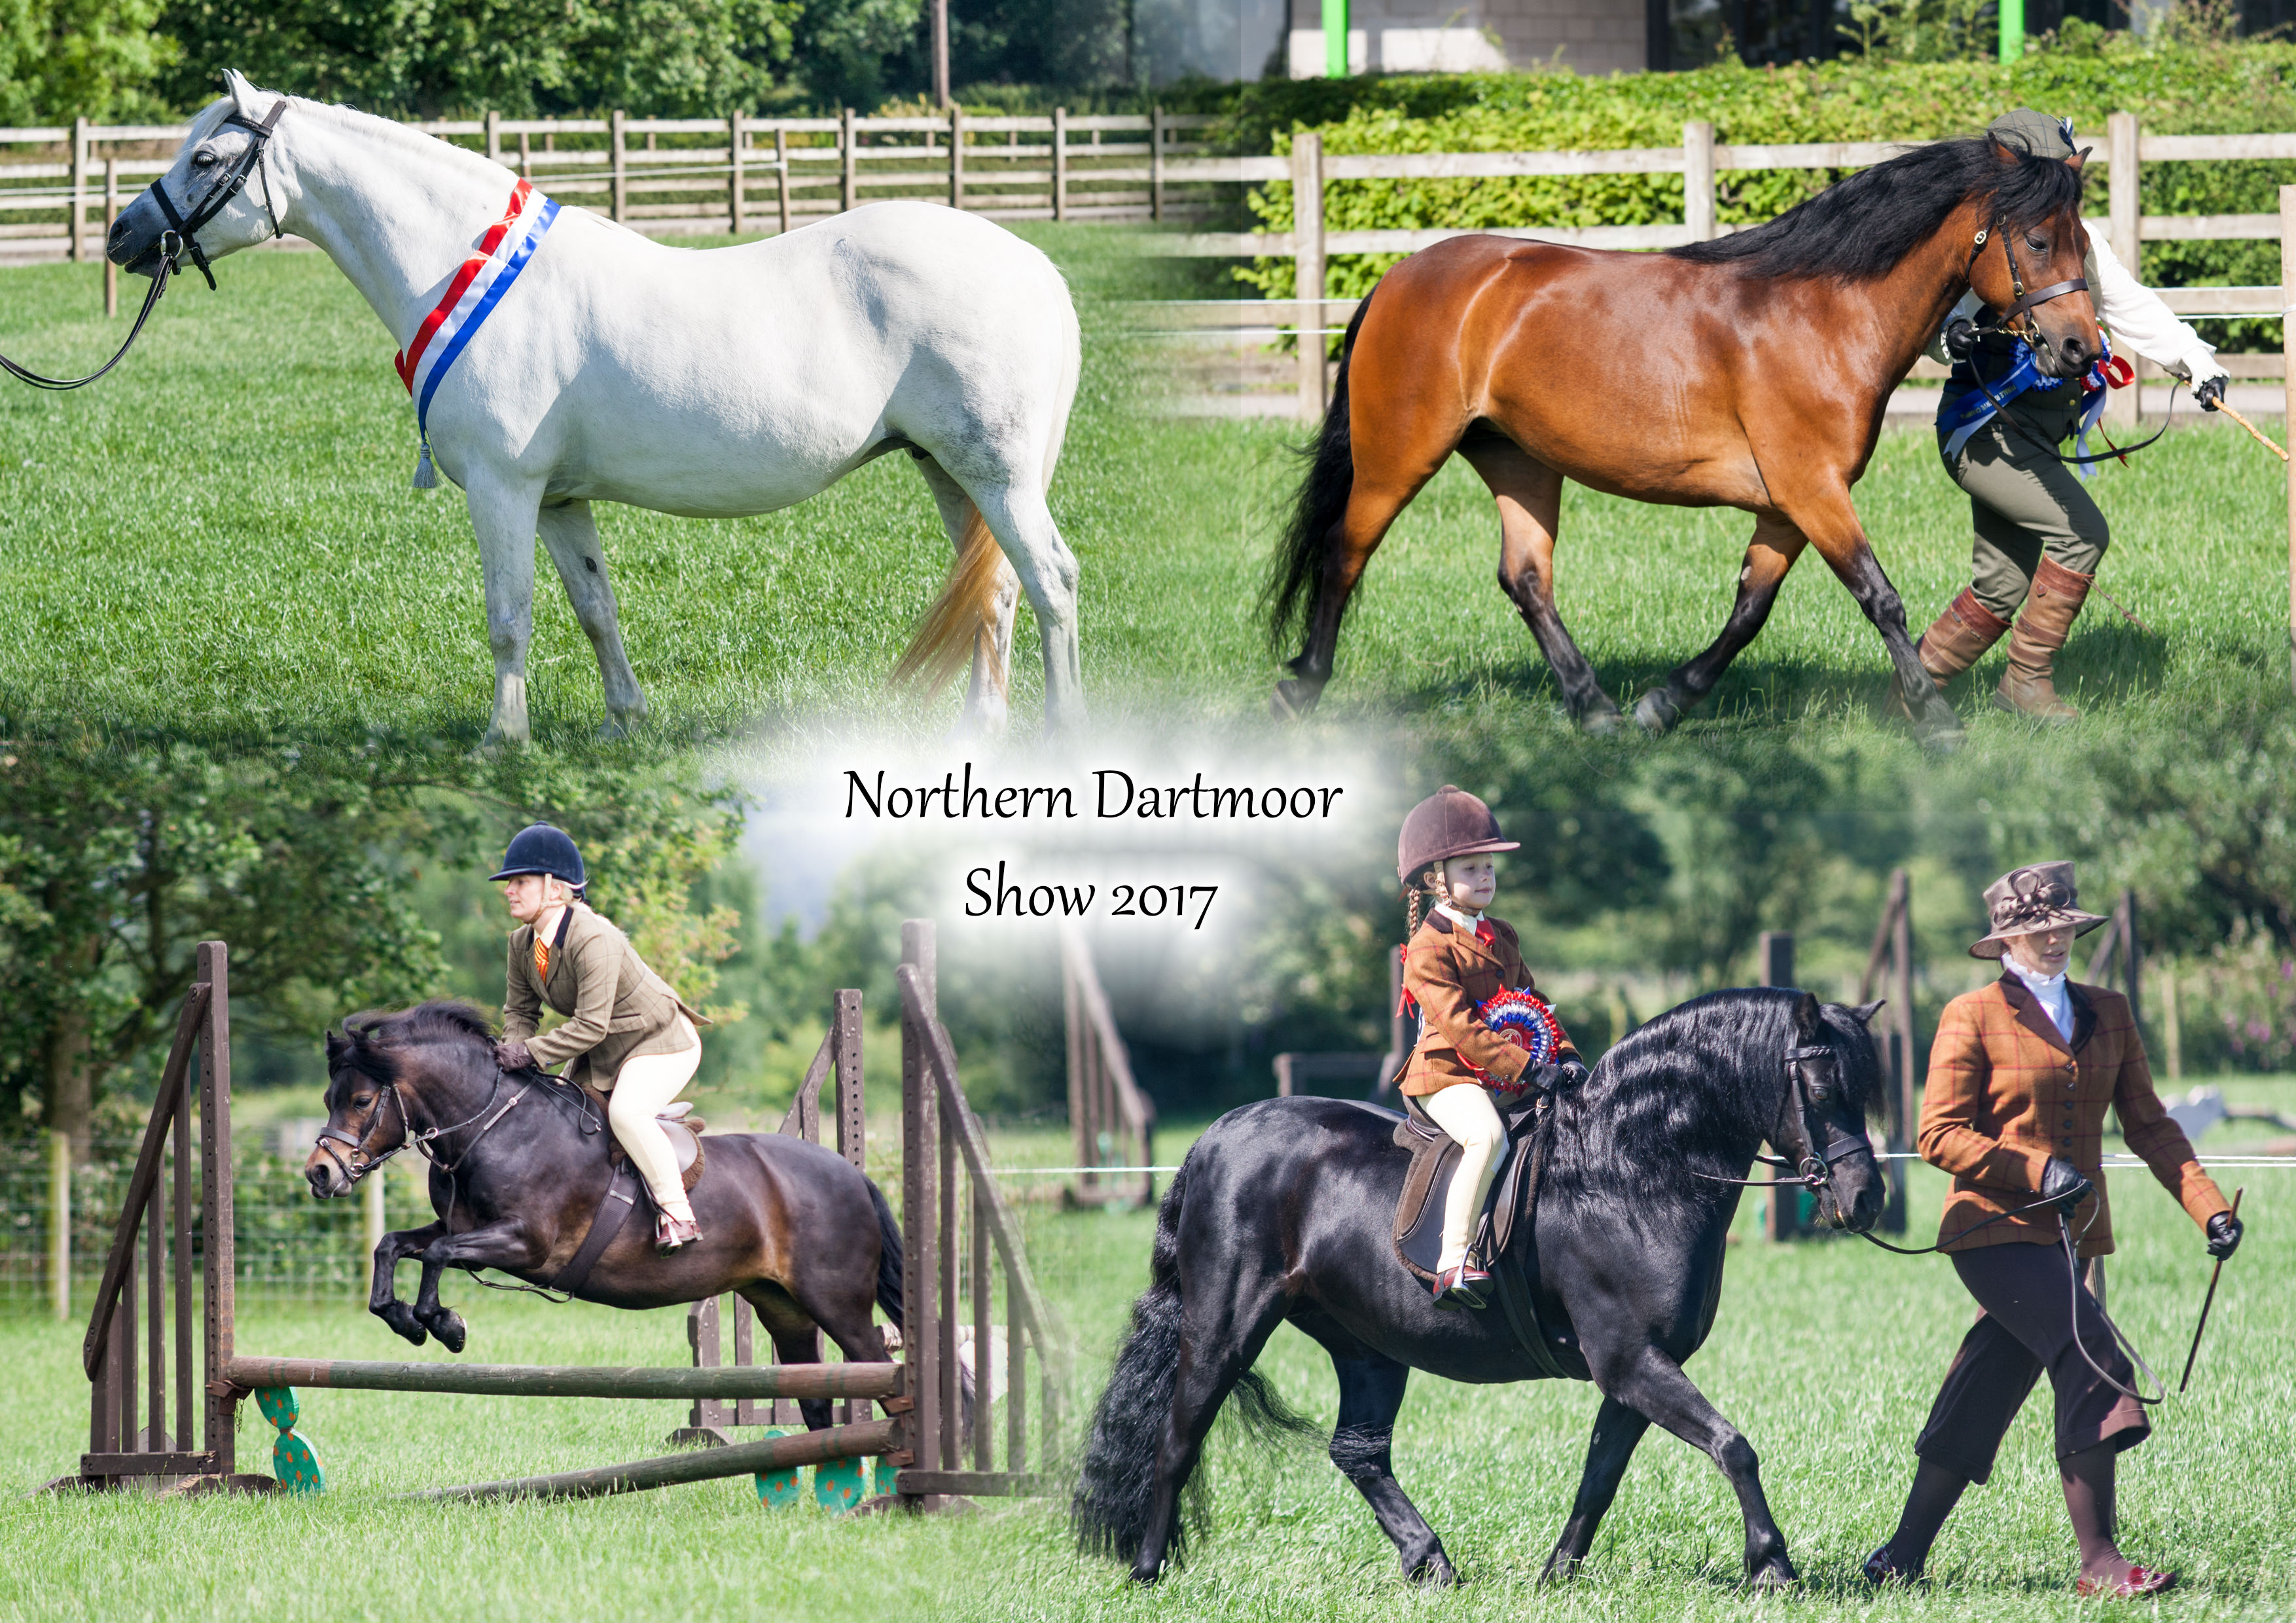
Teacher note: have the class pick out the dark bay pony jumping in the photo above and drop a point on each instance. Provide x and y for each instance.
(803, 1237)
(1749, 372)
(1284, 1211)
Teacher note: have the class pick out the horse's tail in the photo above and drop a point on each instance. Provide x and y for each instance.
(888, 1256)
(1116, 1488)
(963, 618)
(1295, 585)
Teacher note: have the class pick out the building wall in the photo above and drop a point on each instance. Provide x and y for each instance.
(1402, 36)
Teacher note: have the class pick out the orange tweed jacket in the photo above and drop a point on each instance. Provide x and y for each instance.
(1449, 971)
(2005, 1093)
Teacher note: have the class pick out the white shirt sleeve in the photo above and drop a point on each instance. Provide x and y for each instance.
(2139, 319)
(1967, 308)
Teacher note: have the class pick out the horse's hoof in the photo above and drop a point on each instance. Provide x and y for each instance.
(1943, 738)
(447, 1325)
(1293, 700)
(1772, 1578)
(1559, 1569)
(1657, 712)
(401, 1318)
(1602, 720)
(1435, 1572)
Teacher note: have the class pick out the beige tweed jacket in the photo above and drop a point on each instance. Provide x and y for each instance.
(2007, 1092)
(616, 1008)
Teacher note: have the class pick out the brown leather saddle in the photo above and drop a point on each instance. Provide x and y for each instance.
(1506, 1235)
(626, 1189)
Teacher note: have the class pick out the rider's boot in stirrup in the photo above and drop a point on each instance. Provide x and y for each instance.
(1462, 1286)
(1956, 642)
(674, 1233)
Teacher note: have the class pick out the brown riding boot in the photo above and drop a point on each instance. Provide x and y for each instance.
(2050, 611)
(1958, 640)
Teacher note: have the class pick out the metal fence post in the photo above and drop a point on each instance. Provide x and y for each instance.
(736, 134)
(2124, 406)
(1698, 181)
(621, 162)
(1308, 251)
(1156, 163)
(848, 137)
(72, 250)
(955, 156)
(1060, 163)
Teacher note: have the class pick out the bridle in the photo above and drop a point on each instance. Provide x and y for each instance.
(1813, 1075)
(181, 238)
(360, 1160)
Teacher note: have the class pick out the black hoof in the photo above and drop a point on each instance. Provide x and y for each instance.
(1293, 699)
(447, 1325)
(1434, 1572)
(1559, 1569)
(1602, 718)
(401, 1318)
(1773, 1576)
(1657, 712)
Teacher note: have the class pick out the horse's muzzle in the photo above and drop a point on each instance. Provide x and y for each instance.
(325, 1177)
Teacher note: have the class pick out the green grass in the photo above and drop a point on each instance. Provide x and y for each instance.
(1826, 1354)
(220, 541)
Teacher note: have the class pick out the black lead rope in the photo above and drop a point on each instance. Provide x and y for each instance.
(151, 300)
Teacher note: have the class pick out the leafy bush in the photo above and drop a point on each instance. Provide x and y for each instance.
(2083, 73)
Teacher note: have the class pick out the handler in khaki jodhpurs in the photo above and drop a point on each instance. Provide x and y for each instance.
(2020, 1077)
(2039, 536)
(626, 1034)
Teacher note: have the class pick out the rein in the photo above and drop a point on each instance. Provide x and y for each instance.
(181, 238)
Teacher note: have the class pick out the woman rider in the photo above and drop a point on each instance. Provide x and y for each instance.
(2020, 1076)
(2039, 536)
(626, 1033)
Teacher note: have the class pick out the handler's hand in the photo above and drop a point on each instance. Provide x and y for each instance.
(2062, 1183)
(1960, 338)
(510, 1054)
(2211, 393)
(2225, 1231)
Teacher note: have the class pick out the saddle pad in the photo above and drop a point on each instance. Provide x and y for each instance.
(1419, 1212)
(678, 1125)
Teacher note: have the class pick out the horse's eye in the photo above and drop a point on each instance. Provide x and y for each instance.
(202, 159)
(2039, 245)
(361, 1100)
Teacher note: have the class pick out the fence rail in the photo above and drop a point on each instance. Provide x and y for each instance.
(736, 174)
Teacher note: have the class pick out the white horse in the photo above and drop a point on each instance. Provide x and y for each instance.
(705, 384)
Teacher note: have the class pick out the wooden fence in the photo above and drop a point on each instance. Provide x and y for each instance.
(1703, 163)
(1114, 1122)
(685, 177)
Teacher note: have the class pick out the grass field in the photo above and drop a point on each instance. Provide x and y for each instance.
(220, 541)
(1825, 1354)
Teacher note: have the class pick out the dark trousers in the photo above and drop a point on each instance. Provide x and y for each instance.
(2026, 1325)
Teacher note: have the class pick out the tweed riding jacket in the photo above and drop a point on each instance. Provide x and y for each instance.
(616, 1008)
(1447, 970)
(2006, 1092)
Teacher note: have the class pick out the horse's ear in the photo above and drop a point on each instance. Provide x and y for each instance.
(242, 93)
(2078, 158)
(1865, 1011)
(339, 1044)
(1808, 1020)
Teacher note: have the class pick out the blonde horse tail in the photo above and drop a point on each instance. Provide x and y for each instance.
(961, 619)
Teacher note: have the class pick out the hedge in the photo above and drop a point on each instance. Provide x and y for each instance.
(2083, 73)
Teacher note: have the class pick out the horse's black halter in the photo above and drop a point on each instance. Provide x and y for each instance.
(363, 1160)
(182, 237)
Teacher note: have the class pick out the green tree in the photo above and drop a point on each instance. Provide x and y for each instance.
(60, 57)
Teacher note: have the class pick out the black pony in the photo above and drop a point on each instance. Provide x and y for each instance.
(1283, 1211)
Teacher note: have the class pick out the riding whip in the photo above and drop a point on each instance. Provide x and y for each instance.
(2253, 431)
(2217, 1272)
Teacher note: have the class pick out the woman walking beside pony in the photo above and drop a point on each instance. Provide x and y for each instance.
(2020, 1077)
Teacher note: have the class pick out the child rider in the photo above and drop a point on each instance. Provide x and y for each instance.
(1456, 961)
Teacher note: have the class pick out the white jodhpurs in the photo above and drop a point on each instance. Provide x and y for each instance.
(1465, 1111)
(647, 1084)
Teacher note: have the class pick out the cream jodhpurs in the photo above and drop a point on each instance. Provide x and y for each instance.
(647, 1084)
(1465, 1111)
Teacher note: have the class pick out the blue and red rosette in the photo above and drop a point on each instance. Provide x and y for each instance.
(1524, 1020)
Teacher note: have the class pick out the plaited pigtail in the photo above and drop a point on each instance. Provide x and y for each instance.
(1411, 912)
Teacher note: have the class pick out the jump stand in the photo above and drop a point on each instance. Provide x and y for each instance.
(905, 1415)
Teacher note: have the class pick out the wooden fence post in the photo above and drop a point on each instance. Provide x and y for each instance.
(620, 161)
(1060, 163)
(1156, 163)
(781, 168)
(494, 135)
(1698, 181)
(919, 1208)
(848, 140)
(2124, 406)
(60, 1160)
(216, 1213)
(1308, 257)
(2288, 393)
(734, 136)
(955, 156)
(111, 218)
(72, 250)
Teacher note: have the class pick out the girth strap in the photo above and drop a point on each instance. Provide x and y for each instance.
(621, 1198)
(1554, 1360)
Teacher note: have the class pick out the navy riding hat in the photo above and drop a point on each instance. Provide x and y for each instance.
(543, 849)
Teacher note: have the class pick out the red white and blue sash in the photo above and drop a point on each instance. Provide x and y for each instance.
(477, 287)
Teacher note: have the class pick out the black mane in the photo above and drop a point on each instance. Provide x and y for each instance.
(370, 1042)
(1698, 1087)
(1862, 228)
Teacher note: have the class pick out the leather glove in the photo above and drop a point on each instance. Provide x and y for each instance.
(2225, 1231)
(1960, 337)
(510, 1054)
(2062, 1183)
(2210, 395)
(1573, 1072)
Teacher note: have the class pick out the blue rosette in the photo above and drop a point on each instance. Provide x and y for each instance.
(1524, 1020)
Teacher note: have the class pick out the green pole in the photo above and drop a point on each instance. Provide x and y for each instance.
(2012, 29)
(1335, 39)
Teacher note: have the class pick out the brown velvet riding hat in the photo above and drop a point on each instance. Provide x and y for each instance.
(1449, 823)
(2025, 901)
